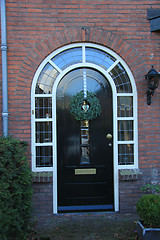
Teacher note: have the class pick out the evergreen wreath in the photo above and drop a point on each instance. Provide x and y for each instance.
(78, 109)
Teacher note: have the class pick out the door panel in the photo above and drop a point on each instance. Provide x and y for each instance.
(84, 185)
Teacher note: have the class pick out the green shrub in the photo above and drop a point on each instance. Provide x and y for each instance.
(151, 188)
(148, 208)
(15, 190)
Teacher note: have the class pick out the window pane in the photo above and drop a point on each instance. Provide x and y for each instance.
(84, 155)
(85, 123)
(68, 57)
(99, 57)
(44, 156)
(125, 130)
(46, 79)
(43, 132)
(43, 107)
(125, 107)
(84, 136)
(125, 154)
(121, 79)
(85, 142)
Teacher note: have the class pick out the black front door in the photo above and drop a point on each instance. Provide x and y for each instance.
(85, 152)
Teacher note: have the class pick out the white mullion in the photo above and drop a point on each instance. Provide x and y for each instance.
(43, 119)
(54, 137)
(42, 95)
(125, 118)
(125, 142)
(33, 148)
(43, 144)
(55, 66)
(44, 169)
(83, 54)
(135, 126)
(54, 123)
(112, 66)
(126, 166)
(125, 94)
(115, 149)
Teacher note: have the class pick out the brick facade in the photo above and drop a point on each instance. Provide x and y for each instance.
(34, 30)
(42, 195)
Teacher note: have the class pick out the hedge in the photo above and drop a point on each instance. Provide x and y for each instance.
(15, 190)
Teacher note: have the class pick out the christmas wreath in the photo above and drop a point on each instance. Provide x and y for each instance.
(85, 109)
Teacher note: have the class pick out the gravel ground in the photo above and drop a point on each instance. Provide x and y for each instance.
(86, 226)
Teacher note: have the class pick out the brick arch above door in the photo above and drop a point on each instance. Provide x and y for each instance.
(75, 35)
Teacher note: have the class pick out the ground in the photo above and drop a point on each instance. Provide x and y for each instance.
(86, 226)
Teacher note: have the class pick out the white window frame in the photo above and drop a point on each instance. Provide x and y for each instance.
(115, 118)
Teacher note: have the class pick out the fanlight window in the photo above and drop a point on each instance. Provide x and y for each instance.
(99, 57)
(121, 79)
(68, 58)
(43, 102)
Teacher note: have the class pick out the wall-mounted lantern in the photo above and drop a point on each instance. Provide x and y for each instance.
(152, 78)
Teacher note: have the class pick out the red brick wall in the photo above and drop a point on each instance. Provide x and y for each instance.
(36, 28)
(42, 201)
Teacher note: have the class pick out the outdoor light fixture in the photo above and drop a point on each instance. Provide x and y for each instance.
(152, 78)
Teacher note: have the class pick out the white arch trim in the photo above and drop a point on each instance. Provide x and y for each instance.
(115, 118)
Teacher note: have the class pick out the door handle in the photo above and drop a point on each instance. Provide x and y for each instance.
(109, 136)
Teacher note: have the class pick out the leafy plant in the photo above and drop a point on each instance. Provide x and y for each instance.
(15, 189)
(148, 208)
(152, 188)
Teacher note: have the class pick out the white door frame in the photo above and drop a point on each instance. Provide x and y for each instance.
(115, 156)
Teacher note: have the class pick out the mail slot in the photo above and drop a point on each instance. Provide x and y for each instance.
(85, 171)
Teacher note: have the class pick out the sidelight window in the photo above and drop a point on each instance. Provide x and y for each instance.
(125, 106)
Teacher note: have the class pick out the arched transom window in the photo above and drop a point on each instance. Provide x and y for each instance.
(43, 96)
